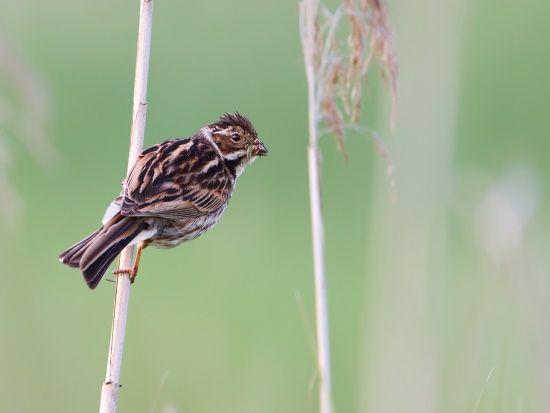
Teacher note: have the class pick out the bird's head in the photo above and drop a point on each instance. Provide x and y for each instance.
(237, 141)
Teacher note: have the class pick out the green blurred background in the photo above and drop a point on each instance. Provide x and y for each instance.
(438, 302)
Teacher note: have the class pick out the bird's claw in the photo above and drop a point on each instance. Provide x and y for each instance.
(132, 272)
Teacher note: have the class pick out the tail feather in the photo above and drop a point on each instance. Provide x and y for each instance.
(94, 272)
(73, 255)
(94, 254)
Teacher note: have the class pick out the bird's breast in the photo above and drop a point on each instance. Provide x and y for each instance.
(175, 232)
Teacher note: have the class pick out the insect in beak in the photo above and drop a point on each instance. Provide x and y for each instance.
(260, 149)
(249, 151)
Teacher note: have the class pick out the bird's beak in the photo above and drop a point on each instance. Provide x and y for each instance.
(259, 148)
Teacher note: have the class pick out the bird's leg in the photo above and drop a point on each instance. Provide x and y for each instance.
(132, 271)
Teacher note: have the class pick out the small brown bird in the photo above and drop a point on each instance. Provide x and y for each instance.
(176, 191)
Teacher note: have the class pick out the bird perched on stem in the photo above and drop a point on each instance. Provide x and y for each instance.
(176, 191)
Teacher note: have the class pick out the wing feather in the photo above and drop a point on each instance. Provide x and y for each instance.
(177, 179)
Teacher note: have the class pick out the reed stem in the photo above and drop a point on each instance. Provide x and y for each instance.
(109, 390)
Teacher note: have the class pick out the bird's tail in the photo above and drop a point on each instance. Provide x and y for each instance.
(94, 254)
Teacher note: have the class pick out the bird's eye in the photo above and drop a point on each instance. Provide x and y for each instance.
(236, 137)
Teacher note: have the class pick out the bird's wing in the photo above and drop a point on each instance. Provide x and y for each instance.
(177, 179)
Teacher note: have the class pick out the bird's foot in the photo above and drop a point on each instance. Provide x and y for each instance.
(132, 272)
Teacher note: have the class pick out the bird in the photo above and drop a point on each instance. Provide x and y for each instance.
(175, 192)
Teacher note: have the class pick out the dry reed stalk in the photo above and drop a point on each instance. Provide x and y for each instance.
(335, 72)
(109, 390)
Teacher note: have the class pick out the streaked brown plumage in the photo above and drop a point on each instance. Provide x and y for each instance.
(176, 191)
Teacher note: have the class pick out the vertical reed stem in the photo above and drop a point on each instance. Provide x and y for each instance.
(109, 390)
(321, 305)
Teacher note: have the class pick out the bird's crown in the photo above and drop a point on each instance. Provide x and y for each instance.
(228, 121)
